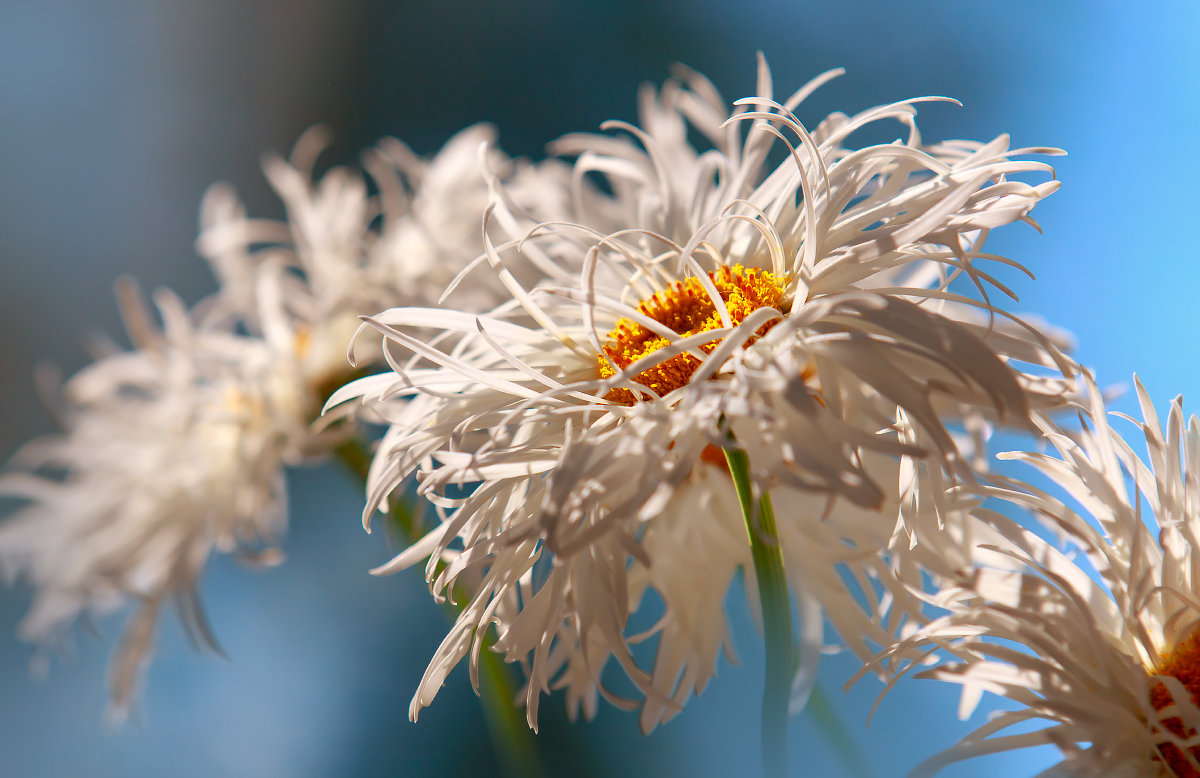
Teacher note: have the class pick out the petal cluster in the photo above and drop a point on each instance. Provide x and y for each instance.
(1096, 643)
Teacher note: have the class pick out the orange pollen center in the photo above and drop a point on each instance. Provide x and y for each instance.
(1183, 664)
(686, 309)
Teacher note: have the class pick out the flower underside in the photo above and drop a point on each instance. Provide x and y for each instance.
(686, 309)
(1183, 664)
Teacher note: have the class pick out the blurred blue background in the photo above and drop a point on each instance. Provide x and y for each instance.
(117, 115)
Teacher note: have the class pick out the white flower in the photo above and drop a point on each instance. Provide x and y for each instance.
(1100, 644)
(803, 309)
(177, 448)
(170, 451)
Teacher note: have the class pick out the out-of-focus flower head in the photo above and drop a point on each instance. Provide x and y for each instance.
(169, 452)
(571, 439)
(354, 244)
(177, 447)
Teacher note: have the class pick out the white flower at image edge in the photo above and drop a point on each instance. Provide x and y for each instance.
(170, 452)
(177, 447)
(1098, 644)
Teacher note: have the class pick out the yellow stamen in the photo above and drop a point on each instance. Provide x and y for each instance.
(1183, 664)
(686, 309)
(302, 343)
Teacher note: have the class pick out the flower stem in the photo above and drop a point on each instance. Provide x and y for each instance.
(822, 712)
(767, 554)
(354, 455)
(511, 739)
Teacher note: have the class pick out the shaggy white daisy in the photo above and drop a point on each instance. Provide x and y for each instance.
(169, 452)
(177, 447)
(1100, 645)
(571, 439)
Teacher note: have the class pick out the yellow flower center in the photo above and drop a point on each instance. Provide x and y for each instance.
(1183, 664)
(686, 309)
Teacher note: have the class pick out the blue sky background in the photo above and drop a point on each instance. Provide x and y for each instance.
(119, 114)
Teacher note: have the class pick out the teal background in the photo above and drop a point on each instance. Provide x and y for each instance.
(117, 115)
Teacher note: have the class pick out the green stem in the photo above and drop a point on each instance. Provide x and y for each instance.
(767, 553)
(835, 732)
(511, 738)
(356, 457)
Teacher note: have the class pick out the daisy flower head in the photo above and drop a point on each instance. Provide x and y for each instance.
(170, 451)
(573, 440)
(177, 448)
(1100, 644)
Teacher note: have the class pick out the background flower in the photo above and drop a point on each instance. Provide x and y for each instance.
(169, 452)
(120, 120)
(176, 447)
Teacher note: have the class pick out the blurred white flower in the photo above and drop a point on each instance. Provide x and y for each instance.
(1100, 643)
(169, 452)
(177, 447)
(570, 439)
(343, 251)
